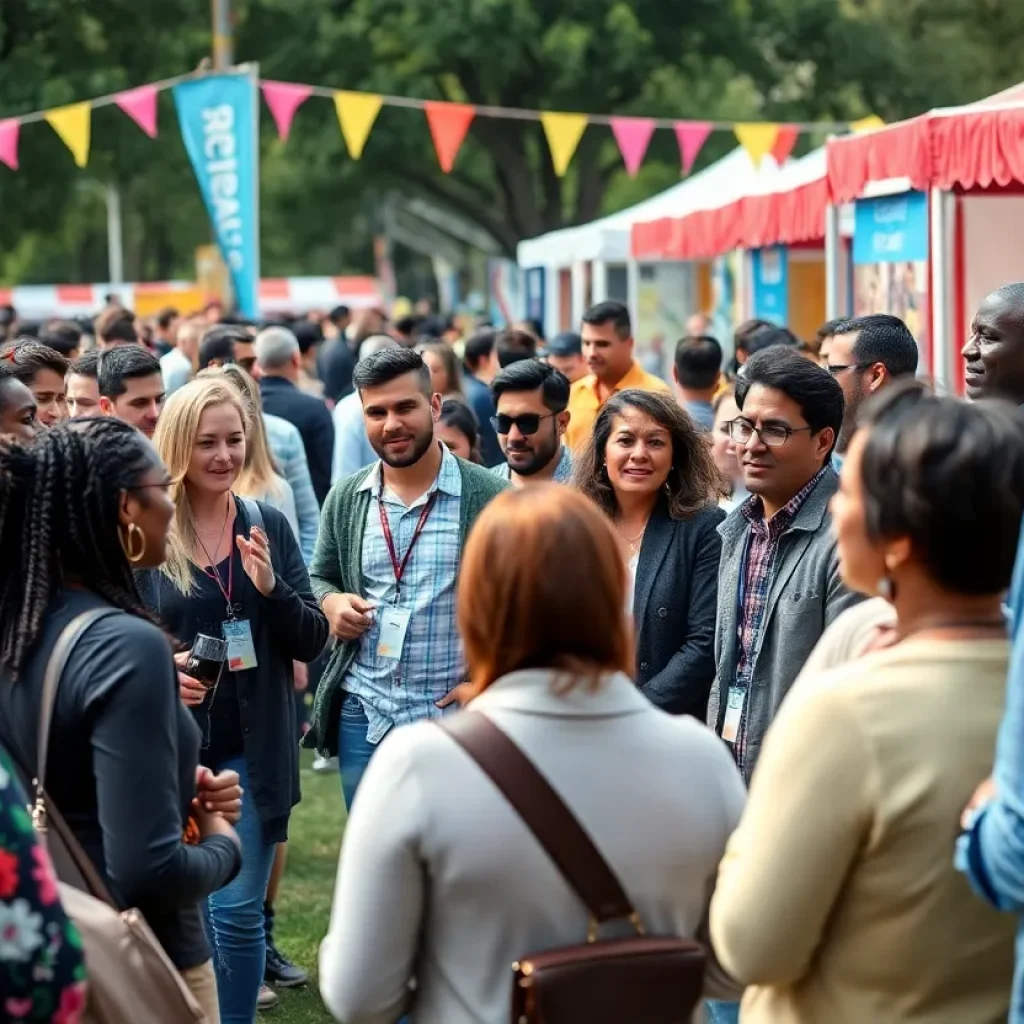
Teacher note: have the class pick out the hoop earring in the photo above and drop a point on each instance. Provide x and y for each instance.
(127, 544)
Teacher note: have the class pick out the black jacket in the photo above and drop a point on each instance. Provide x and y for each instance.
(675, 605)
(312, 418)
(287, 626)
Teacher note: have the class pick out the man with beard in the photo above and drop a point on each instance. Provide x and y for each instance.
(531, 399)
(385, 568)
(866, 354)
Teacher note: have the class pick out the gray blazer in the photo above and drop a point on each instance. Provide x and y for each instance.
(805, 596)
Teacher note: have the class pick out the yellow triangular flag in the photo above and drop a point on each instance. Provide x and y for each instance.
(867, 124)
(72, 124)
(356, 113)
(757, 139)
(563, 132)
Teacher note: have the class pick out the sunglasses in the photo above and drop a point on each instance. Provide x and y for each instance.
(528, 423)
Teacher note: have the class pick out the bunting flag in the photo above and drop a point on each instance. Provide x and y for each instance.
(784, 143)
(757, 139)
(9, 143)
(563, 132)
(140, 106)
(448, 123)
(867, 124)
(283, 99)
(691, 136)
(356, 113)
(72, 124)
(633, 134)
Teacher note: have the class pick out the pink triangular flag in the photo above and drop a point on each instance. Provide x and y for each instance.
(284, 99)
(633, 134)
(9, 142)
(691, 136)
(140, 105)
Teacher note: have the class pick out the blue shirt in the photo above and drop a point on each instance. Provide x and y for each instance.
(481, 401)
(703, 413)
(290, 455)
(352, 448)
(396, 692)
(562, 474)
(991, 852)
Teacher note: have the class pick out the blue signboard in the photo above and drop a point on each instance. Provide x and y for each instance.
(893, 229)
(771, 284)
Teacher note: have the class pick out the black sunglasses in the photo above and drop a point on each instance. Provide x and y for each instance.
(528, 423)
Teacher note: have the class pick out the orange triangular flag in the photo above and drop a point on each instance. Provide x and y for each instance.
(448, 123)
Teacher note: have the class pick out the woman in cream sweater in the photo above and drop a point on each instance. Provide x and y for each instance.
(837, 899)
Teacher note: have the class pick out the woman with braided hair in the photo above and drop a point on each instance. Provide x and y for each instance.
(81, 508)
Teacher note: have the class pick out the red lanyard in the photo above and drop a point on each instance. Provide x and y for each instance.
(389, 540)
(214, 575)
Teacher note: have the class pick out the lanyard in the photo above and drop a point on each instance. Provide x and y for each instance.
(214, 573)
(399, 567)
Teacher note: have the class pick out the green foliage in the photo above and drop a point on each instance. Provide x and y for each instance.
(714, 59)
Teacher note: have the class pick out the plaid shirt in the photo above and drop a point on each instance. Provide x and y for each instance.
(398, 692)
(756, 583)
(562, 474)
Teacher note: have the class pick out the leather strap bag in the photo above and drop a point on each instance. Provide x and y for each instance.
(640, 979)
(130, 977)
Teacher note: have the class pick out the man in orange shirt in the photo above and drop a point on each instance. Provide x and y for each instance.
(608, 351)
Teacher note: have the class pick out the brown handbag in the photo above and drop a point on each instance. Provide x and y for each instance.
(129, 976)
(640, 979)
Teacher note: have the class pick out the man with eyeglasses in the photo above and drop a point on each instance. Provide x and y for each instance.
(531, 399)
(866, 354)
(779, 583)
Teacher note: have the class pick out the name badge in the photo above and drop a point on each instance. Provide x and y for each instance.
(394, 623)
(241, 650)
(734, 713)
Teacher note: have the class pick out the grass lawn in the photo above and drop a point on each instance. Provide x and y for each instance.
(304, 903)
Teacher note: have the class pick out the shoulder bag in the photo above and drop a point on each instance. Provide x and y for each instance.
(640, 979)
(130, 978)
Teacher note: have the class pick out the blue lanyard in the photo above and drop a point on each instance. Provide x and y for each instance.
(741, 591)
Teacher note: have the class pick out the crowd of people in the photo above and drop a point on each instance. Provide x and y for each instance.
(757, 624)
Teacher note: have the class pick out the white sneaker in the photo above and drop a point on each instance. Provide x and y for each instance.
(267, 999)
(323, 764)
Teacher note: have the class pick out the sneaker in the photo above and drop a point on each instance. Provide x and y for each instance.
(323, 764)
(267, 999)
(280, 971)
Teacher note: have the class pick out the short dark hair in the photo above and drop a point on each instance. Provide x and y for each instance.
(118, 325)
(166, 317)
(829, 327)
(219, 343)
(514, 345)
(812, 387)
(87, 365)
(339, 313)
(63, 336)
(698, 361)
(747, 331)
(479, 346)
(25, 357)
(389, 364)
(407, 324)
(882, 338)
(614, 313)
(307, 334)
(929, 473)
(772, 336)
(529, 375)
(125, 362)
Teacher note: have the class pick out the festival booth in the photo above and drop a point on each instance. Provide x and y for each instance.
(939, 203)
(565, 271)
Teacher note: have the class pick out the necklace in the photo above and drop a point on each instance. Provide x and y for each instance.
(633, 542)
(220, 539)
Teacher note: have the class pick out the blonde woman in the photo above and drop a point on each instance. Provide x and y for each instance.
(229, 575)
(259, 478)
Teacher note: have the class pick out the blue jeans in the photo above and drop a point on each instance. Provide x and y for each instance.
(354, 751)
(722, 1013)
(235, 915)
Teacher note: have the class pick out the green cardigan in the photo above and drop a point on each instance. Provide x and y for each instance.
(337, 568)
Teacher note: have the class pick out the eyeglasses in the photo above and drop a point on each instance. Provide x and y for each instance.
(774, 435)
(528, 423)
(836, 368)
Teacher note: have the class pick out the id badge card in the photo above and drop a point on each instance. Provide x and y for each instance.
(734, 713)
(394, 623)
(241, 650)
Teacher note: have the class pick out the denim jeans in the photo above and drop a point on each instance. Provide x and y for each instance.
(354, 752)
(722, 1013)
(235, 915)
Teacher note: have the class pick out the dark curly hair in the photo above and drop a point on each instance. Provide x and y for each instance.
(693, 481)
(59, 500)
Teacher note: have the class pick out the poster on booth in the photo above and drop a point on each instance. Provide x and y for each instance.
(664, 301)
(770, 272)
(504, 292)
(535, 288)
(890, 259)
(219, 119)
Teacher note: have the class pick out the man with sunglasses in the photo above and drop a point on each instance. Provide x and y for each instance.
(779, 583)
(531, 399)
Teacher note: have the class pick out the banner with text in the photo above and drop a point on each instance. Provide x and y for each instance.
(219, 118)
(770, 271)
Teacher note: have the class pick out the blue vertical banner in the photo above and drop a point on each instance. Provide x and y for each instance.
(219, 118)
(770, 271)
(535, 281)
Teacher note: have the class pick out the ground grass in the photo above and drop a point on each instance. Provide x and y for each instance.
(304, 903)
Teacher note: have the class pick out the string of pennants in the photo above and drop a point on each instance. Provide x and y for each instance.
(448, 123)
